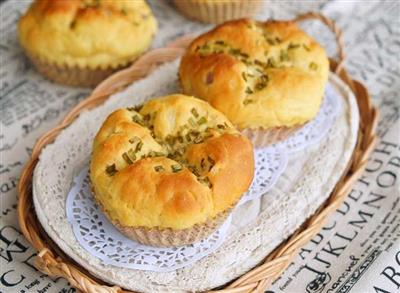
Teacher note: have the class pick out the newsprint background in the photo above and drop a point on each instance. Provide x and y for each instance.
(358, 250)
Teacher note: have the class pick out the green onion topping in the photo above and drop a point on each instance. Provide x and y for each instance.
(293, 46)
(249, 91)
(134, 139)
(202, 120)
(127, 159)
(176, 168)
(132, 154)
(284, 56)
(139, 146)
(111, 170)
(159, 168)
(194, 112)
(313, 66)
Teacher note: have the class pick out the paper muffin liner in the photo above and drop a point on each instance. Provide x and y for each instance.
(169, 237)
(217, 11)
(72, 75)
(265, 137)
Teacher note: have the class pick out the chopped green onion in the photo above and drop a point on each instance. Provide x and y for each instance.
(284, 56)
(259, 86)
(159, 168)
(271, 41)
(271, 62)
(169, 139)
(193, 170)
(259, 63)
(127, 159)
(136, 119)
(198, 139)
(176, 168)
(132, 155)
(234, 51)
(249, 91)
(111, 170)
(202, 120)
(194, 112)
(205, 180)
(134, 139)
(313, 66)
(221, 126)
(203, 163)
(139, 146)
(259, 71)
(293, 46)
(264, 78)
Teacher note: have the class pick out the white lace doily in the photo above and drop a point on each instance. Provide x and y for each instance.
(271, 161)
(317, 128)
(100, 238)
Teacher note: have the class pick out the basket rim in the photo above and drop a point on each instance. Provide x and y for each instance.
(52, 261)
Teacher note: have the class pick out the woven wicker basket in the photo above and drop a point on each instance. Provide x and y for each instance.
(52, 261)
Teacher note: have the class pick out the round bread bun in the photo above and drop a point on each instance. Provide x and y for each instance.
(168, 172)
(261, 75)
(80, 42)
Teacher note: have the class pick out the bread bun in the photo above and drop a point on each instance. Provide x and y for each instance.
(167, 173)
(261, 75)
(80, 42)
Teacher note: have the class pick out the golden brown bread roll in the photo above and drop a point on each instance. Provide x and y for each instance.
(80, 42)
(266, 76)
(167, 173)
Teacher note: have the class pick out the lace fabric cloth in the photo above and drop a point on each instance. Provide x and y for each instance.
(257, 225)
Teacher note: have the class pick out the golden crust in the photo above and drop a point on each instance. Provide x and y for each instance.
(174, 163)
(259, 74)
(87, 33)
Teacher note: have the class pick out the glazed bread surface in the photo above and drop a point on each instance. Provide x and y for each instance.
(173, 163)
(259, 74)
(87, 33)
